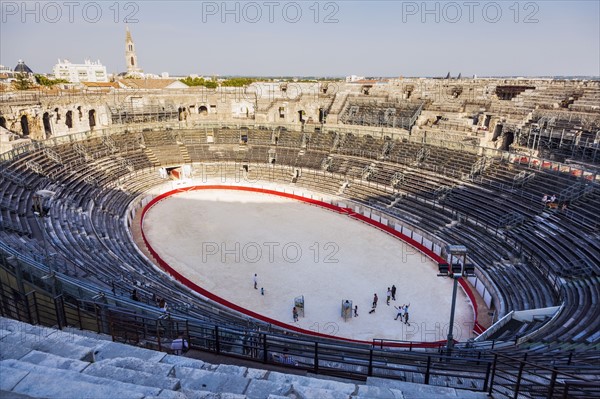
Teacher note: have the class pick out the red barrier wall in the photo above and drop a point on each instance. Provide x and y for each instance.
(477, 328)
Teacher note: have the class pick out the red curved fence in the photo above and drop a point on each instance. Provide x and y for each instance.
(193, 286)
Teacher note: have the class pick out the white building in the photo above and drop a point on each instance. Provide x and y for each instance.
(87, 72)
(354, 78)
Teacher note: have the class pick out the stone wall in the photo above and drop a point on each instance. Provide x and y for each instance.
(38, 116)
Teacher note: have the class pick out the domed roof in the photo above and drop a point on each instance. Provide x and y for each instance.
(22, 68)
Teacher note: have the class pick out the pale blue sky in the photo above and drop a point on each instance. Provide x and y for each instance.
(375, 38)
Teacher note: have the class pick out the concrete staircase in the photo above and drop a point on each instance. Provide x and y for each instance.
(39, 362)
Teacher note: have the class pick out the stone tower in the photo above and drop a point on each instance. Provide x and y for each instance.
(130, 57)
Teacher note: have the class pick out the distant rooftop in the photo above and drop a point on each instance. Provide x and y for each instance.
(22, 68)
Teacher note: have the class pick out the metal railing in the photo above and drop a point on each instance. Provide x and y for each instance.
(133, 323)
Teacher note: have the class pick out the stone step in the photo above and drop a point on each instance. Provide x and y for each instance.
(72, 335)
(112, 350)
(256, 374)
(10, 377)
(413, 391)
(12, 395)
(87, 334)
(53, 361)
(45, 382)
(301, 381)
(165, 394)
(183, 361)
(135, 364)
(231, 369)
(213, 395)
(369, 392)
(40, 340)
(103, 370)
(258, 389)
(309, 392)
(12, 351)
(211, 381)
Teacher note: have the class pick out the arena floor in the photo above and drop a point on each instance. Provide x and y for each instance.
(219, 239)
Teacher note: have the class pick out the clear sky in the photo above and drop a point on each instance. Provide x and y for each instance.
(309, 38)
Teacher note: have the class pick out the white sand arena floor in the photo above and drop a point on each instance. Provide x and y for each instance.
(219, 239)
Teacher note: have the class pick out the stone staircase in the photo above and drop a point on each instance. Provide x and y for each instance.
(151, 156)
(185, 155)
(39, 362)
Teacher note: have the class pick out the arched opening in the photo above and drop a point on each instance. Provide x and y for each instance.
(47, 126)
(69, 119)
(321, 115)
(202, 110)
(509, 138)
(181, 112)
(3, 122)
(301, 114)
(497, 131)
(92, 118)
(132, 62)
(24, 125)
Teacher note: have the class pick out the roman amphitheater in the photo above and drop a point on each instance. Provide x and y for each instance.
(494, 184)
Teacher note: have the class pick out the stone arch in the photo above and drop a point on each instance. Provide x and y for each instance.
(182, 113)
(202, 110)
(69, 119)
(24, 125)
(92, 118)
(322, 115)
(47, 125)
(301, 114)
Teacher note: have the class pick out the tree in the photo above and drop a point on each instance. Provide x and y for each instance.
(22, 81)
(45, 81)
(237, 82)
(210, 84)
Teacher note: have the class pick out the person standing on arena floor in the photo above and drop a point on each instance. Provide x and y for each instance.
(393, 292)
(255, 281)
(295, 313)
(399, 314)
(375, 299)
(388, 296)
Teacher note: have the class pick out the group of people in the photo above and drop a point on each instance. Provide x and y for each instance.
(551, 201)
(255, 279)
(390, 295)
(402, 313)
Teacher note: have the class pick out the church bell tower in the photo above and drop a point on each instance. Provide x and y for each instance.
(130, 57)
